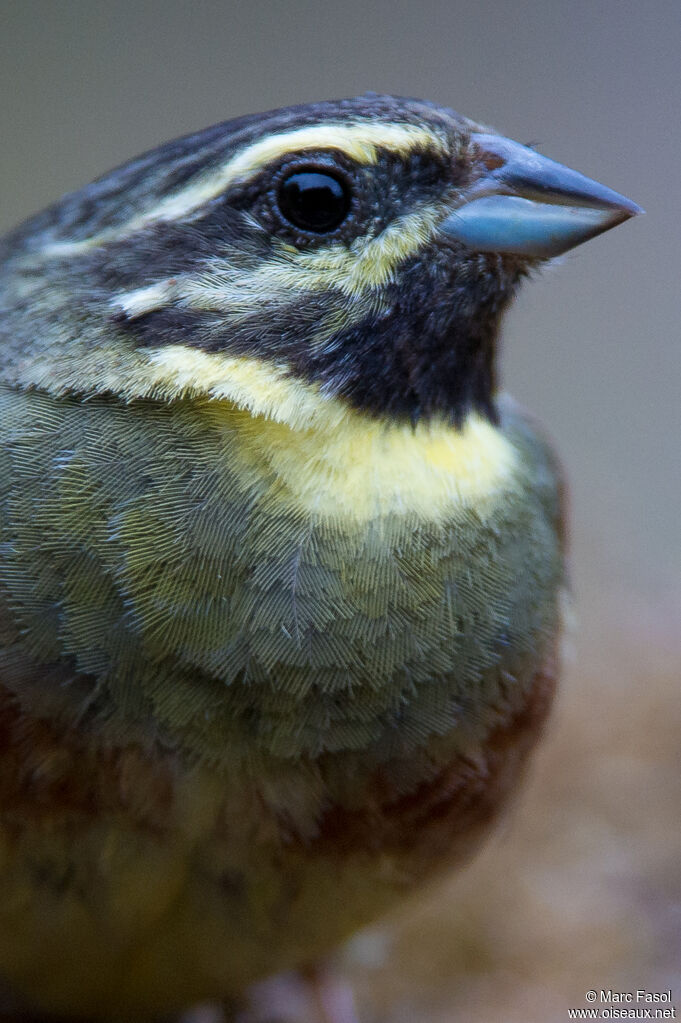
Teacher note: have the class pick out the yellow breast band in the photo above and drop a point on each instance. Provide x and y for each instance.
(329, 460)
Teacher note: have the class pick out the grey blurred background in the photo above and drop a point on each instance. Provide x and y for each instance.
(593, 347)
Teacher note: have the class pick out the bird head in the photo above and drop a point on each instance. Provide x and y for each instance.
(365, 248)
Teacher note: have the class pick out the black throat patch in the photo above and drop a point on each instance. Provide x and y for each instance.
(426, 349)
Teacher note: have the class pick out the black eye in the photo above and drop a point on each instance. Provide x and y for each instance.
(314, 201)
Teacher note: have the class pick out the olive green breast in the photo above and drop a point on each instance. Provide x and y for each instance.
(165, 578)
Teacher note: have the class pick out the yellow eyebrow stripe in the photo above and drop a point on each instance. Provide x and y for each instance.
(361, 141)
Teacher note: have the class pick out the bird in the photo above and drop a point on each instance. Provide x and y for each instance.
(282, 568)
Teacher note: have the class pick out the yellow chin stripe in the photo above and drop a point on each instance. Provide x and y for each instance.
(329, 460)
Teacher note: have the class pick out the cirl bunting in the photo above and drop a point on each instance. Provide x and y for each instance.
(280, 569)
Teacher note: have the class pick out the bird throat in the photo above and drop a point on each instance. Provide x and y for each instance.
(331, 461)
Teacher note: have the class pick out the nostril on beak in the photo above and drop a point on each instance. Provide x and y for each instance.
(491, 161)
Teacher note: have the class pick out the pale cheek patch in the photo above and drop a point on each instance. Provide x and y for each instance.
(331, 462)
(373, 263)
(356, 271)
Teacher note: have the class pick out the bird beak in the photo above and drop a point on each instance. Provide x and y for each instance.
(525, 204)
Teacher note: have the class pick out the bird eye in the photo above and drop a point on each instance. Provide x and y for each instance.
(313, 201)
